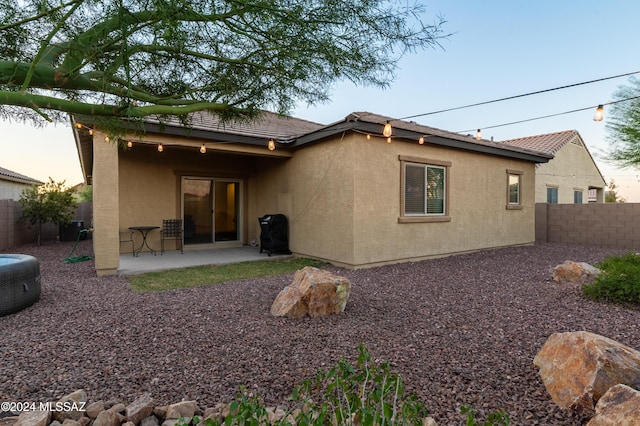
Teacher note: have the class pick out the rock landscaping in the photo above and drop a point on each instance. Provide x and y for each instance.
(579, 368)
(462, 330)
(313, 292)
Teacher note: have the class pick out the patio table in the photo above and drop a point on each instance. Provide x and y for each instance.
(144, 231)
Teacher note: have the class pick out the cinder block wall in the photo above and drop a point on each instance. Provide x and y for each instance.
(615, 225)
(13, 233)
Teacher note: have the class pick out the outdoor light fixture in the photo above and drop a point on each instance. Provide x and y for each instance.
(599, 115)
(387, 130)
(203, 149)
(160, 148)
(271, 145)
(421, 140)
(479, 134)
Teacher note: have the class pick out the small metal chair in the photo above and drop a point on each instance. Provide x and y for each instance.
(171, 230)
(127, 237)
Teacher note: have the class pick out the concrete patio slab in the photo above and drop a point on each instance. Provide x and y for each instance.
(147, 262)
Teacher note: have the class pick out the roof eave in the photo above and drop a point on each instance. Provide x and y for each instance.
(410, 135)
(212, 135)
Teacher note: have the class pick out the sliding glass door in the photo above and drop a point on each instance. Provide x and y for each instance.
(211, 210)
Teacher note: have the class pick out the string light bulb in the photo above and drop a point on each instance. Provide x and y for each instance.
(389, 140)
(599, 115)
(79, 125)
(271, 145)
(368, 136)
(421, 140)
(387, 130)
(160, 148)
(106, 138)
(203, 149)
(479, 134)
(129, 144)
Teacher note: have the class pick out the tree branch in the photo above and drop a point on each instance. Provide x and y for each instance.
(34, 101)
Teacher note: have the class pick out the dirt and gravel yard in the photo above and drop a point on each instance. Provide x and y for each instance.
(461, 330)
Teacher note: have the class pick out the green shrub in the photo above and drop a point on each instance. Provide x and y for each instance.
(365, 395)
(499, 418)
(619, 281)
(368, 394)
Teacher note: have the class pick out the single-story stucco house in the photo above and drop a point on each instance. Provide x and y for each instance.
(572, 176)
(352, 196)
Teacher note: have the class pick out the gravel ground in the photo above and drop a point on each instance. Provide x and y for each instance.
(460, 330)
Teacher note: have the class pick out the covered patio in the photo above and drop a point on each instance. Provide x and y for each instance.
(147, 262)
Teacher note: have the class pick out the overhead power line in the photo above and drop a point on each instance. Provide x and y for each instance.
(549, 115)
(521, 96)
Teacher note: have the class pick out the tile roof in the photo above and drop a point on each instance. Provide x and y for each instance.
(6, 174)
(549, 143)
(469, 140)
(266, 125)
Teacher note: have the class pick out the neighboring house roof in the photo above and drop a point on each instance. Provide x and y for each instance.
(6, 174)
(551, 143)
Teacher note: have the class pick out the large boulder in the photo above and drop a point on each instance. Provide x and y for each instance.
(313, 292)
(573, 271)
(620, 406)
(184, 409)
(578, 368)
(34, 418)
(76, 401)
(139, 409)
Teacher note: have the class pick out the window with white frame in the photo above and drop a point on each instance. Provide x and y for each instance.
(424, 189)
(514, 189)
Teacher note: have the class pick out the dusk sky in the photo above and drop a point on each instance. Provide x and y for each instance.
(497, 49)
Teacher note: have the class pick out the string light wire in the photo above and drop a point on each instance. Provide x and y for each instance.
(520, 96)
(550, 115)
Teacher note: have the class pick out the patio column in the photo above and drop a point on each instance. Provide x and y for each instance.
(106, 236)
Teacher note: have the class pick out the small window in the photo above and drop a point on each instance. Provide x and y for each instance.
(577, 197)
(552, 195)
(424, 195)
(424, 190)
(514, 191)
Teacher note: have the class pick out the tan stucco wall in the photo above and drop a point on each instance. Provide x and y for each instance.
(343, 202)
(150, 182)
(477, 204)
(572, 168)
(315, 190)
(342, 198)
(106, 240)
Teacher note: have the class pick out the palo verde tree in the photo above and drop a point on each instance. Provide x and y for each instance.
(48, 203)
(623, 125)
(115, 59)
